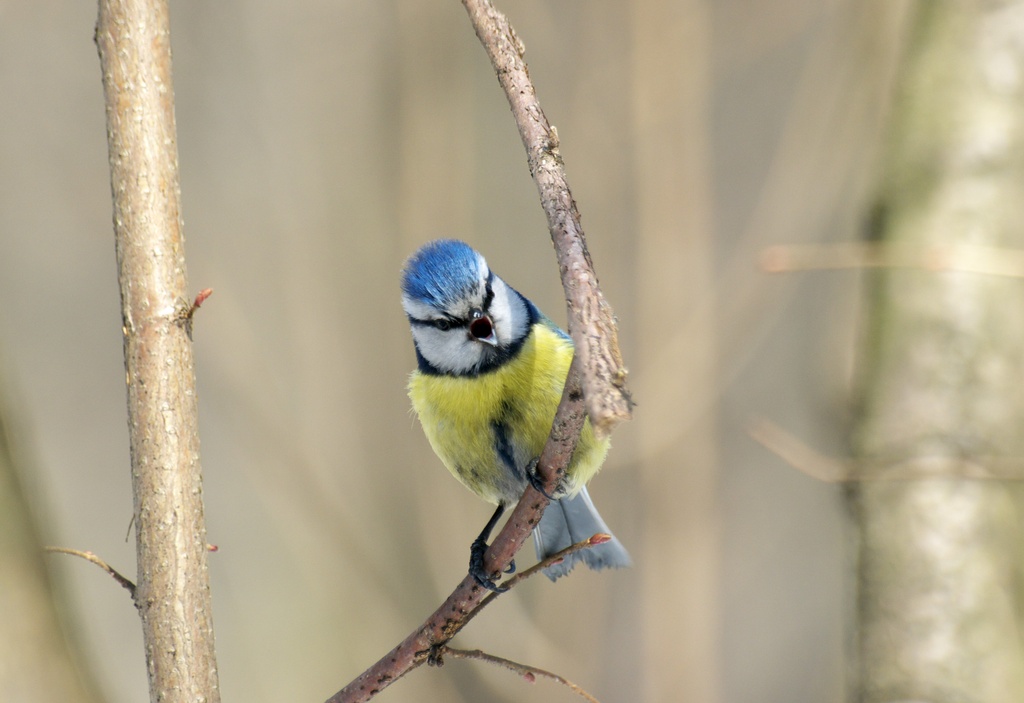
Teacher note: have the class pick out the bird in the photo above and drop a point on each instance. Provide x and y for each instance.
(490, 372)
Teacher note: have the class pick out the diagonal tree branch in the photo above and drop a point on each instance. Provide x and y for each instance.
(591, 321)
(595, 385)
(468, 596)
(173, 590)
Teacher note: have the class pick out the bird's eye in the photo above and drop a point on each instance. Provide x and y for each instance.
(480, 328)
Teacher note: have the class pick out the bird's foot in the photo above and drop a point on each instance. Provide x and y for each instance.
(478, 570)
(535, 480)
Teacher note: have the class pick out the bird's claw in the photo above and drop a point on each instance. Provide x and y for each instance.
(435, 656)
(479, 572)
(536, 481)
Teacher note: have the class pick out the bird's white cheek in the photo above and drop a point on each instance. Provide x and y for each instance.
(509, 320)
(450, 351)
(420, 338)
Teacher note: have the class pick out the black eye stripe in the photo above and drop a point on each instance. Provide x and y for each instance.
(488, 292)
(444, 323)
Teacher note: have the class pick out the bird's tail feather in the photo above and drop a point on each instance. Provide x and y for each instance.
(572, 520)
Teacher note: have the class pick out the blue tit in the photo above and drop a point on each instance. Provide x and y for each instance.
(490, 377)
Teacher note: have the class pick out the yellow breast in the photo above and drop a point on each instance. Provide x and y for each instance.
(487, 428)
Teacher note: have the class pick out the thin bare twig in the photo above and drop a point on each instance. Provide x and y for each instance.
(125, 582)
(592, 541)
(797, 453)
(804, 458)
(591, 320)
(530, 673)
(961, 258)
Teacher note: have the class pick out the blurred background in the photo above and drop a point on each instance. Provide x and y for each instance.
(322, 142)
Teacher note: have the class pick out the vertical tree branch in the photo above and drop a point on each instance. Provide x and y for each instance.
(173, 594)
(938, 608)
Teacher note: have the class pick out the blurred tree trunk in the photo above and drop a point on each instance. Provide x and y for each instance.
(941, 413)
(676, 307)
(36, 662)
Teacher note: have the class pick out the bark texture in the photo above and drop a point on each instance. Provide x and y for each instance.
(173, 592)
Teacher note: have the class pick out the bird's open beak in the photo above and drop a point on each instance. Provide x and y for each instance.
(481, 329)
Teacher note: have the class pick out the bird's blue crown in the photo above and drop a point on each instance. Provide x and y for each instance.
(442, 272)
